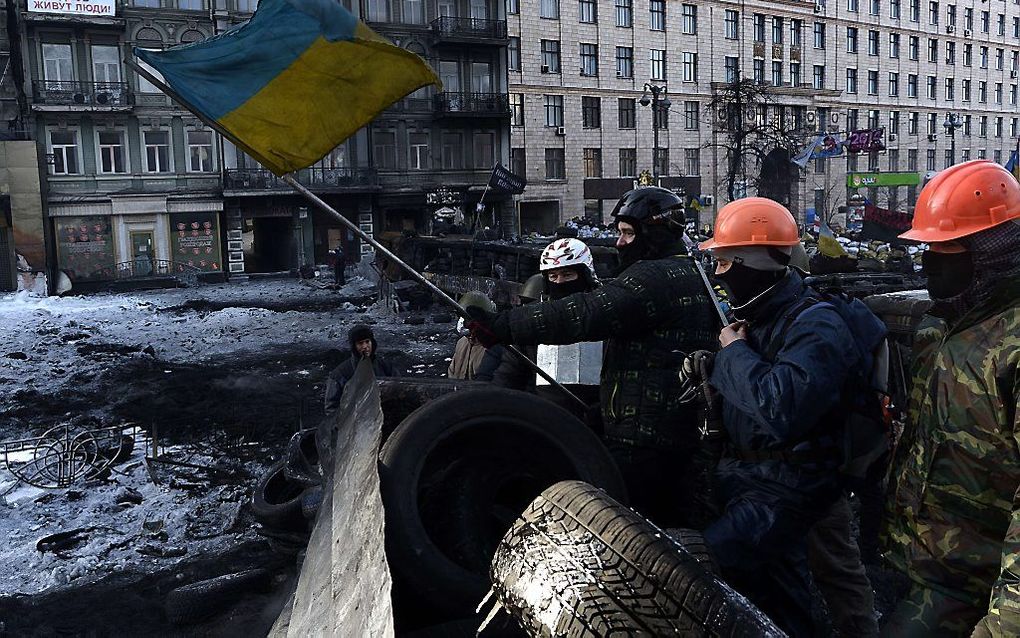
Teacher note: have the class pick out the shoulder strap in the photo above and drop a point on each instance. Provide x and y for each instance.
(779, 335)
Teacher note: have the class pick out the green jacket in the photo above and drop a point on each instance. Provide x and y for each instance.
(954, 508)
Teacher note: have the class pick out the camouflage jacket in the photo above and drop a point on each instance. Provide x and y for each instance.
(650, 317)
(954, 508)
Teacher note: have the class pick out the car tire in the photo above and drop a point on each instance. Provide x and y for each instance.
(276, 502)
(198, 601)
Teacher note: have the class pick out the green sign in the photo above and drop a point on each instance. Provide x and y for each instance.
(866, 180)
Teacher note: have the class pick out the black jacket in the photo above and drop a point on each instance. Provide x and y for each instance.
(651, 316)
(343, 373)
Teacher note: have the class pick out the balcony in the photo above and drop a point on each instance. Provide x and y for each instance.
(453, 104)
(447, 29)
(256, 181)
(49, 95)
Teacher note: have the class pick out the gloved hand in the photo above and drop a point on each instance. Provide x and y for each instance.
(479, 324)
(691, 371)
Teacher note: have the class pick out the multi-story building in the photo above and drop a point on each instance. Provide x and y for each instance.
(136, 185)
(578, 70)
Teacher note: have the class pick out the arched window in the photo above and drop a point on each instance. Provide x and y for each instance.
(192, 36)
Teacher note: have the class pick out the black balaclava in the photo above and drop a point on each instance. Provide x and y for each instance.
(559, 291)
(743, 284)
(650, 243)
(994, 258)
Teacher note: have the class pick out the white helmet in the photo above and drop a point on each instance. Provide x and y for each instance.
(568, 252)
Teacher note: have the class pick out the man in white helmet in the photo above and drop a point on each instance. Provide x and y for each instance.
(568, 267)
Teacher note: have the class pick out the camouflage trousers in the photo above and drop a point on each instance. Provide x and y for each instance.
(926, 613)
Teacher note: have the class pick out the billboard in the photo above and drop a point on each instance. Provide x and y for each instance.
(74, 7)
(865, 180)
(195, 240)
(85, 248)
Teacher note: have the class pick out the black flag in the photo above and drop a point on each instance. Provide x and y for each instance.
(503, 180)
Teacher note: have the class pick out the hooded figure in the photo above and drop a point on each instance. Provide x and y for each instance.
(363, 346)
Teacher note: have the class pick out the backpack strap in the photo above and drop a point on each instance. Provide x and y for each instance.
(779, 335)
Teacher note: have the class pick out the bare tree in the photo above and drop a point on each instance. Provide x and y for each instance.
(749, 124)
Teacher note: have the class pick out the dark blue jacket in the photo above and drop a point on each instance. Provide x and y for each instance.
(791, 401)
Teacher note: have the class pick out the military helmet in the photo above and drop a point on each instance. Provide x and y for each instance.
(533, 288)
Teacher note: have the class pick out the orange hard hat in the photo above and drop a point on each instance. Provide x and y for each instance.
(964, 199)
(753, 221)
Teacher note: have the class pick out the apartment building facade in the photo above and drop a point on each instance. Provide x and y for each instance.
(579, 68)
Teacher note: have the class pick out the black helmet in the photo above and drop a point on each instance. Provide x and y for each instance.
(651, 206)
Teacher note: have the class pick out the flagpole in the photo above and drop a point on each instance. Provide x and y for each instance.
(312, 197)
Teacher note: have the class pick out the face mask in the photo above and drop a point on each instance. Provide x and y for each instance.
(949, 274)
(633, 252)
(744, 284)
(565, 289)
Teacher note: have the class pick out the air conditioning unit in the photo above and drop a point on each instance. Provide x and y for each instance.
(707, 200)
(620, 74)
(545, 68)
(950, 28)
(932, 137)
(102, 98)
(892, 137)
(561, 130)
(967, 33)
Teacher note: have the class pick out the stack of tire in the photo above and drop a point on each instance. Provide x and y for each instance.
(288, 495)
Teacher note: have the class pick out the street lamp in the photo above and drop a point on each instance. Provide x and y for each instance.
(658, 101)
(951, 124)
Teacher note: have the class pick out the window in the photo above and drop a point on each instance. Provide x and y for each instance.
(777, 30)
(588, 11)
(624, 13)
(851, 80)
(819, 35)
(449, 74)
(732, 23)
(549, 9)
(593, 162)
(894, 162)
(691, 109)
(624, 62)
(930, 159)
(513, 54)
(628, 162)
(481, 77)
(200, 147)
(982, 91)
(550, 56)
(106, 64)
(554, 110)
(777, 73)
(758, 22)
(894, 122)
(932, 123)
(414, 11)
(692, 162)
(112, 152)
(660, 118)
(452, 150)
(658, 64)
(983, 57)
(418, 151)
(1012, 94)
(968, 19)
(157, 151)
(627, 112)
(589, 59)
(950, 52)
(57, 65)
(377, 10)
(968, 54)
(894, 9)
(483, 150)
(915, 10)
(818, 77)
(983, 126)
(998, 92)
(591, 112)
(518, 162)
(951, 14)
(758, 70)
(657, 15)
(966, 125)
(690, 66)
(795, 78)
(516, 109)
(851, 5)
(894, 84)
(1000, 24)
(911, 85)
(874, 7)
(912, 159)
(1014, 126)
(872, 42)
(931, 82)
(689, 23)
(555, 166)
(732, 68)
(997, 156)
(851, 118)
(513, 7)
(933, 13)
(851, 39)
(984, 22)
(999, 57)
(950, 89)
(796, 30)
(966, 90)
(660, 161)
(873, 161)
(912, 123)
(913, 47)
(933, 50)
(1016, 28)
(872, 82)
(997, 129)
(894, 45)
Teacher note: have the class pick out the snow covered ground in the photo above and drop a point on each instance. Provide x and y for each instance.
(223, 373)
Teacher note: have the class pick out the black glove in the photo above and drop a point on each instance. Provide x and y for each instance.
(479, 324)
(693, 373)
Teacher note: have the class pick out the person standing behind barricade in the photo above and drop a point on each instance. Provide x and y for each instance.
(654, 313)
(954, 499)
(785, 374)
(510, 371)
(339, 265)
(363, 346)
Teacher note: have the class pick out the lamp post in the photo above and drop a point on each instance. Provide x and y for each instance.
(657, 101)
(951, 124)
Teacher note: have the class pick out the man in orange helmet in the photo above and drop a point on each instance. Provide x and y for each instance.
(784, 374)
(954, 509)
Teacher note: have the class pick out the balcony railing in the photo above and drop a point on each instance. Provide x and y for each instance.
(472, 104)
(315, 178)
(91, 94)
(450, 28)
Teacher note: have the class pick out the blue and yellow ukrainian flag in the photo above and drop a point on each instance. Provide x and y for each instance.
(1013, 165)
(293, 82)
